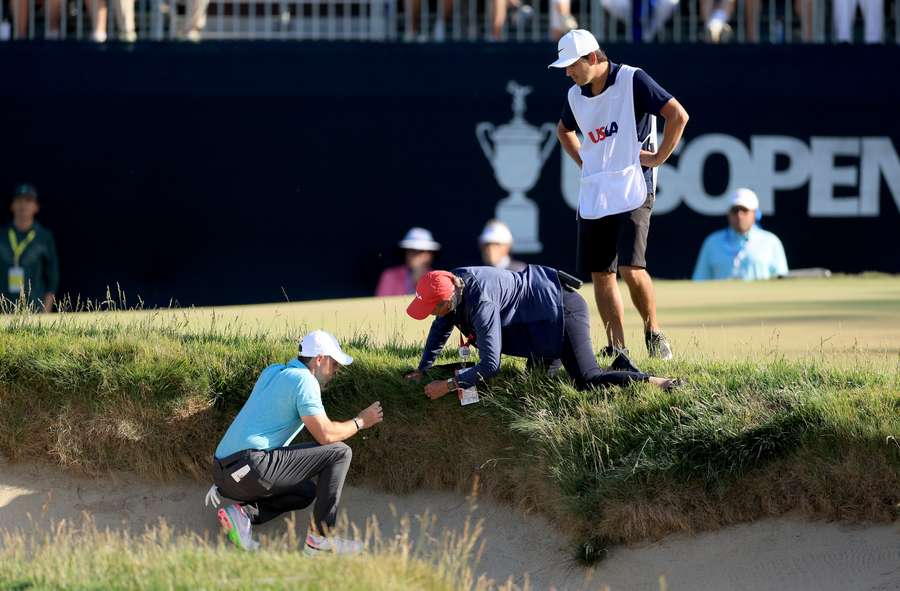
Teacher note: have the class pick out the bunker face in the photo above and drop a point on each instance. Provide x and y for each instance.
(773, 554)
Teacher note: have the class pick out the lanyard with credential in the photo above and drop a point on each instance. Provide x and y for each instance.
(17, 248)
(464, 344)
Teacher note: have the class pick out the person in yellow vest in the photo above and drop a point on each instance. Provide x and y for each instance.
(28, 256)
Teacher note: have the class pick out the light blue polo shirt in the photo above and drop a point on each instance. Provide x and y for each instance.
(271, 416)
(727, 254)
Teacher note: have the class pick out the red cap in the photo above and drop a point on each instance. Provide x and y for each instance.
(433, 287)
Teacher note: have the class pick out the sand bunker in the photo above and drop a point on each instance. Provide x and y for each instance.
(783, 554)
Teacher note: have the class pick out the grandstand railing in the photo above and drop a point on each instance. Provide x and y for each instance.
(777, 21)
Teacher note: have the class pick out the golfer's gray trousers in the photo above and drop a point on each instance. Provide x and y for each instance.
(275, 481)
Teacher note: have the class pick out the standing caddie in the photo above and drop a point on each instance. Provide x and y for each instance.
(613, 106)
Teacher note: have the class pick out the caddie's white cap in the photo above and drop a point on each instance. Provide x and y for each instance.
(744, 198)
(573, 45)
(319, 342)
(495, 232)
(419, 239)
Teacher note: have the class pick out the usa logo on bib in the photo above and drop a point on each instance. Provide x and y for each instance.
(603, 132)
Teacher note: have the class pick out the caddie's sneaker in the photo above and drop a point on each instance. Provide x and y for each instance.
(657, 345)
(236, 526)
(320, 544)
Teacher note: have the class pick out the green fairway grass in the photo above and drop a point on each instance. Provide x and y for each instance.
(845, 320)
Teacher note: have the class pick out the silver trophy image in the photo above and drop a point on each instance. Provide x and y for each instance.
(517, 151)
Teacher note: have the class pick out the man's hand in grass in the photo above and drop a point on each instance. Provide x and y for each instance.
(436, 389)
(371, 416)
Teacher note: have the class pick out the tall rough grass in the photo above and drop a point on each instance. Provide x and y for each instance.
(741, 441)
(80, 556)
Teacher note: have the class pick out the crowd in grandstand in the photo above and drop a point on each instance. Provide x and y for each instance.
(714, 21)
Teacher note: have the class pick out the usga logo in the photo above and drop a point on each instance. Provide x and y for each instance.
(603, 132)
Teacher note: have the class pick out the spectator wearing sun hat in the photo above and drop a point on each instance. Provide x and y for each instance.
(419, 248)
(496, 242)
(743, 250)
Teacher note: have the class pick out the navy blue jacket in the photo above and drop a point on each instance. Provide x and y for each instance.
(514, 313)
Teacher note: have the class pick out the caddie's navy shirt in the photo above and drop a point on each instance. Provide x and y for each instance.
(649, 99)
(514, 313)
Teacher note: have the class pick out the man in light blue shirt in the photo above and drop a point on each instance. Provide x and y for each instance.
(743, 250)
(256, 464)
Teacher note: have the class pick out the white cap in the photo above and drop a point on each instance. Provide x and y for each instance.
(573, 45)
(495, 232)
(319, 342)
(744, 198)
(419, 239)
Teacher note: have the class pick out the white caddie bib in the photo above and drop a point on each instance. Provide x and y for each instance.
(611, 178)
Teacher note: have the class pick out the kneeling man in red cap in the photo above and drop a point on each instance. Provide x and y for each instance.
(524, 314)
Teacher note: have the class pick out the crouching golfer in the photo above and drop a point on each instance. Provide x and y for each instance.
(256, 465)
(525, 314)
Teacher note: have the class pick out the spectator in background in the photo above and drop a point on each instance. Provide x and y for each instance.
(28, 255)
(52, 13)
(414, 10)
(496, 242)
(717, 13)
(845, 15)
(419, 249)
(561, 19)
(659, 11)
(743, 250)
(191, 29)
(522, 12)
(804, 10)
(123, 11)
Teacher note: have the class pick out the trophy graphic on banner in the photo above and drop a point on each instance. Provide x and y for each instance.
(517, 151)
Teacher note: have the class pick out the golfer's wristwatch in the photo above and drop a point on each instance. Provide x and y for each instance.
(451, 384)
